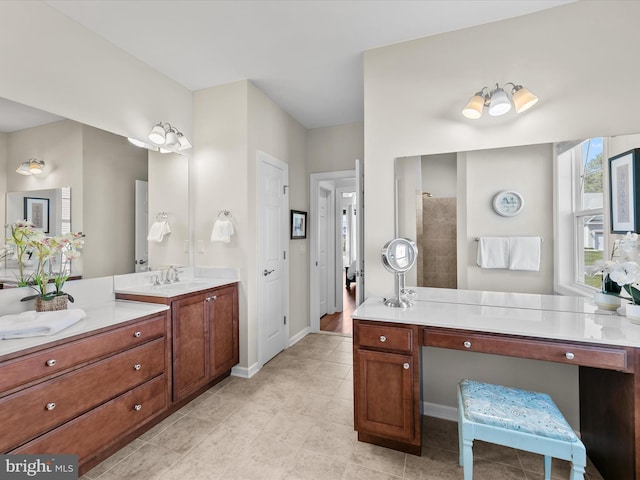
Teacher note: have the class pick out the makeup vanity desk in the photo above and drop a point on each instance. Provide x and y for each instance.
(606, 347)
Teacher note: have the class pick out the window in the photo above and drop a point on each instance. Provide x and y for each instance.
(581, 220)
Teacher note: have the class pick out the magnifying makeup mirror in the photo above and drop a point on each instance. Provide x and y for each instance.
(398, 256)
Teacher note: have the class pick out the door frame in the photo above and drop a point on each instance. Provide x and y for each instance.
(314, 187)
(262, 157)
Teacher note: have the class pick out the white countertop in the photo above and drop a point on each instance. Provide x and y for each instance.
(541, 316)
(191, 280)
(99, 316)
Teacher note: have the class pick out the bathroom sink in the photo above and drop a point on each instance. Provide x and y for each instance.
(186, 286)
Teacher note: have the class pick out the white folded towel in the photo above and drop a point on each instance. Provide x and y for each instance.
(36, 324)
(493, 252)
(222, 231)
(524, 253)
(158, 230)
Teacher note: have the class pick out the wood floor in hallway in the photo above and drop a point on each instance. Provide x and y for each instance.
(340, 322)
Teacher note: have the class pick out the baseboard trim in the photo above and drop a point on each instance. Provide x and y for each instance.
(298, 336)
(440, 411)
(244, 372)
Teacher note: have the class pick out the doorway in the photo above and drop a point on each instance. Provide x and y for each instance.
(333, 246)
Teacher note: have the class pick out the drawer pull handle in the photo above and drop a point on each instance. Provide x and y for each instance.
(467, 344)
(50, 406)
(569, 355)
(213, 297)
(137, 366)
(405, 366)
(51, 363)
(137, 407)
(383, 338)
(137, 334)
(208, 299)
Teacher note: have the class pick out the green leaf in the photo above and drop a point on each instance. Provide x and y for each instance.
(634, 292)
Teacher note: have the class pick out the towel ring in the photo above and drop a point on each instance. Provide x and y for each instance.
(162, 216)
(226, 213)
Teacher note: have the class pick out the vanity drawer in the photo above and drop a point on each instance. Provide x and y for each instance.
(87, 434)
(37, 409)
(610, 358)
(383, 336)
(42, 364)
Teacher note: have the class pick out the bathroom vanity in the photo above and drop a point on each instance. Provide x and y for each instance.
(98, 384)
(388, 370)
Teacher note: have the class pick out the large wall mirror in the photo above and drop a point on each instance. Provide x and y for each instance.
(113, 191)
(445, 202)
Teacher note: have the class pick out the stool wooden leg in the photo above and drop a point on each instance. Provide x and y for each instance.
(467, 459)
(547, 467)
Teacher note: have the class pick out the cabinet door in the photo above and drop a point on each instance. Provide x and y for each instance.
(384, 389)
(223, 330)
(190, 339)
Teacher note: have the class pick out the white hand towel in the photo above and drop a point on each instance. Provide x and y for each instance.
(222, 231)
(36, 324)
(524, 253)
(493, 252)
(158, 230)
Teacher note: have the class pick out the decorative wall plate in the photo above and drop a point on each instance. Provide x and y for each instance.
(508, 203)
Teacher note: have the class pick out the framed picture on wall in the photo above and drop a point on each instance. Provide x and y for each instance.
(623, 191)
(298, 224)
(36, 211)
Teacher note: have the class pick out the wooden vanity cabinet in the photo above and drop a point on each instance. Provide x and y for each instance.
(85, 395)
(386, 384)
(205, 343)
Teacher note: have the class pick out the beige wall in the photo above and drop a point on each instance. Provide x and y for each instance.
(110, 167)
(3, 180)
(414, 92)
(333, 149)
(53, 63)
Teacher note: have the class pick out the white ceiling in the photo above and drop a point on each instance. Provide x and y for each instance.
(306, 55)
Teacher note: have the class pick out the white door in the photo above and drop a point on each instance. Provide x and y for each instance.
(141, 226)
(323, 245)
(359, 232)
(273, 279)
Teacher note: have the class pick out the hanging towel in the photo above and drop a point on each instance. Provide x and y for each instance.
(158, 230)
(493, 252)
(222, 231)
(524, 253)
(36, 324)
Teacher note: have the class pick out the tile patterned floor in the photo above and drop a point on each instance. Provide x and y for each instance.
(294, 421)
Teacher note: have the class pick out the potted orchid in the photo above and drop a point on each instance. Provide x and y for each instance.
(48, 251)
(608, 297)
(626, 274)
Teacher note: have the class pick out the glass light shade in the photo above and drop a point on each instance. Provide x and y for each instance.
(500, 103)
(184, 142)
(23, 169)
(157, 134)
(171, 138)
(473, 108)
(35, 166)
(523, 99)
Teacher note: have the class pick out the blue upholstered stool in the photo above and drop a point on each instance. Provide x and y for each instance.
(515, 418)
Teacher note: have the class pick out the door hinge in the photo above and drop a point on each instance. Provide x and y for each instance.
(284, 189)
(284, 255)
(285, 319)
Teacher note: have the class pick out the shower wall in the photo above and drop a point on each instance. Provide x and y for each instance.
(437, 257)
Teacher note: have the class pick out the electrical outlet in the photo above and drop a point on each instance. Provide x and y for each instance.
(200, 246)
(185, 246)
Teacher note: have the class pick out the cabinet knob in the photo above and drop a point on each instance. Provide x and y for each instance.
(383, 338)
(51, 363)
(137, 334)
(137, 366)
(50, 406)
(467, 344)
(137, 407)
(569, 355)
(405, 366)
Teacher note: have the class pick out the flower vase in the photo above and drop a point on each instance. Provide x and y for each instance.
(632, 312)
(604, 301)
(58, 302)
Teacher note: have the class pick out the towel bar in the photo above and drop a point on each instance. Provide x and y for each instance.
(477, 239)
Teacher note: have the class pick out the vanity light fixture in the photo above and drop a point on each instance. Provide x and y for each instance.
(168, 138)
(33, 166)
(141, 144)
(498, 102)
